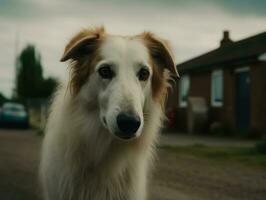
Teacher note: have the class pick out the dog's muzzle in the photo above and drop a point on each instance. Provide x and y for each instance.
(128, 125)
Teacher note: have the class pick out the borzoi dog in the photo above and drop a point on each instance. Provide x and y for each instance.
(103, 125)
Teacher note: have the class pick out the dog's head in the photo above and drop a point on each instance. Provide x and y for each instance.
(118, 76)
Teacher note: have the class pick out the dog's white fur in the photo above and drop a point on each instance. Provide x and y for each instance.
(82, 158)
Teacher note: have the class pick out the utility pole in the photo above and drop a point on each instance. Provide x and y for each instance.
(16, 64)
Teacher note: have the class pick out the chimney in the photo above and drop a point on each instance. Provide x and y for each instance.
(226, 39)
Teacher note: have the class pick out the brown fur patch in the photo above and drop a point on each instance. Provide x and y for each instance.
(81, 70)
(82, 50)
(161, 59)
(159, 85)
(95, 33)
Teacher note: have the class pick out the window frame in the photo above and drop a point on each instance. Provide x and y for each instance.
(214, 74)
(183, 78)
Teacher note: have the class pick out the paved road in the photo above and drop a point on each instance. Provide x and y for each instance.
(19, 158)
(176, 177)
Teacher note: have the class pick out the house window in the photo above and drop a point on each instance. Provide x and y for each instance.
(217, 88)
(183, 90)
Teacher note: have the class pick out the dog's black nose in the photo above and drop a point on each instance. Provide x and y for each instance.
(128, 124)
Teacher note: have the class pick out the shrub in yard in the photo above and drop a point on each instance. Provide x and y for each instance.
(221, 129)
(261, 146)
(40, 131)
(254, 133)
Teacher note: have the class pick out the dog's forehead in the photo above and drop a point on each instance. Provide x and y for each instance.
(124, 48)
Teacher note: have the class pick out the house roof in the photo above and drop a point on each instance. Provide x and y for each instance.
(235, 53)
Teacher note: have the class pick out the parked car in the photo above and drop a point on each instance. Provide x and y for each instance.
(14, 115)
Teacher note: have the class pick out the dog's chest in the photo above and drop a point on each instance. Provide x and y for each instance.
(92, 184)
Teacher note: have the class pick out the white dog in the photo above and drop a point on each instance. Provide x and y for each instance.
(103, 125)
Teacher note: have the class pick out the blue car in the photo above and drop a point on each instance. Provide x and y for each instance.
(14, 115)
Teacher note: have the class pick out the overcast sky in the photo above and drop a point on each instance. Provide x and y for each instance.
(192, 27)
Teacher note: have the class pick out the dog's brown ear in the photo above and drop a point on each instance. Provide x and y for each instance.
(160, 52)
(82, 44)
(79, 48)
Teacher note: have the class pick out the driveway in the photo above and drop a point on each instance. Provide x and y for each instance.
(19, 159)
(175, 176)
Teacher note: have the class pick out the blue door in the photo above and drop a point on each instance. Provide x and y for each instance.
(243, 100)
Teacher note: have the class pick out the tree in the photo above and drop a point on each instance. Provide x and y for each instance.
(29, 81)
(3, 99)
(48, 86)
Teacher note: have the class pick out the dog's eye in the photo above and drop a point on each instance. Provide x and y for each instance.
(106, 72)
(143, 74)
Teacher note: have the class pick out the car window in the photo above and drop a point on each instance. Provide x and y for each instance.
(13, 107)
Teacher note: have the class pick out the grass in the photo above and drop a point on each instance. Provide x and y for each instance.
(245, 155)
(14, 193)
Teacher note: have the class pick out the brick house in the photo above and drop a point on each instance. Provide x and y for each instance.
(232, 81)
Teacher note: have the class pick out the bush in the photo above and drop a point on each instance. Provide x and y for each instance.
(40, 131)
(261, 146)
(254, 133)
(221, 129)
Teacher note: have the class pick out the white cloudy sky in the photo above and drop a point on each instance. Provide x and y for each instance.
(192, 27)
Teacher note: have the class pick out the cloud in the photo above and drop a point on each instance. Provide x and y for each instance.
(192, 27)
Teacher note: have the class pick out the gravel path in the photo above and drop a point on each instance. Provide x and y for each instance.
(176, 177)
